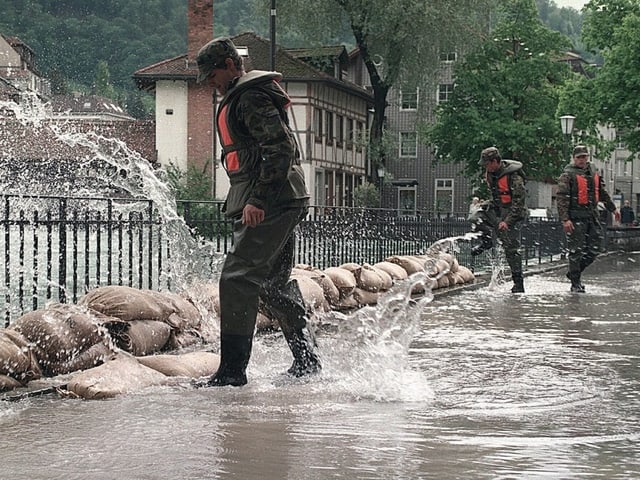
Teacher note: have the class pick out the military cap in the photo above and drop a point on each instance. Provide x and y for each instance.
(213, 55)
(488, 154)
(580, 150)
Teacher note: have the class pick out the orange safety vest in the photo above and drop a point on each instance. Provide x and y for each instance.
(583, 189)
(231, 161)
(502, 188)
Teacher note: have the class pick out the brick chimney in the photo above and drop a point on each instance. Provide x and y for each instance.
(199, 26)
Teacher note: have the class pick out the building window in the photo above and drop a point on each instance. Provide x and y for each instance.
(408, 144)
(409, 99)
(350, 133)
(329, 125)
(448, 57)
(407, 201)
(317, 123)
(340, 129)
(363, 136)
(444, 195)
(444, 92)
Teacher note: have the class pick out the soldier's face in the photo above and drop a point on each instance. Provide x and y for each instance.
(580, 161)
(492, 165)
(221, 78)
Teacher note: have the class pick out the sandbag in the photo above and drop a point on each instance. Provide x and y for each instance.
(122, 374)
(410, 265)
(331, 292)
(179, 339)
(193, 364)
(312, 293)
(17, 360)
(342, 279)
(184, 314)
(60, 334)
(9, 383)
(395, 271)
(127, 303)
(141, 337)
(372, 279)
(466, 274)
(364, 297)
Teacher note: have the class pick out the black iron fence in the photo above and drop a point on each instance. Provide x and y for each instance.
(58, 248)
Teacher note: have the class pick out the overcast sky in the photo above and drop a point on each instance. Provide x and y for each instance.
(577, 4)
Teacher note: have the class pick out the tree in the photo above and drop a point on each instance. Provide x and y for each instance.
(102, 85)
(506, 94)
(400, 41)
(614, 28)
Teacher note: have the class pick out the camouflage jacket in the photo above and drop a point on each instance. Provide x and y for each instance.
(516, 210)
(261, 156)
(569, 208)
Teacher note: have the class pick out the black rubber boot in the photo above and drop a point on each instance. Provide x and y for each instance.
(576, 284)
(235, 351)
(518, 284)
(305, 360)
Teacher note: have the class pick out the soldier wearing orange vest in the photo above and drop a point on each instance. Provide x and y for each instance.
(507, 209)
(580, 188)
(267, 199)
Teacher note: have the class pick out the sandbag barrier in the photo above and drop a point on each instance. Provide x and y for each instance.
(116, 339)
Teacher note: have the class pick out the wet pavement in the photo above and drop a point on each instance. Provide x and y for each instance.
(480, 384)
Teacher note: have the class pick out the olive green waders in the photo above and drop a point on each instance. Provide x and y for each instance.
(257, 268)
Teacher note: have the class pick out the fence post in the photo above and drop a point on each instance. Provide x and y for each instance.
(62, 250)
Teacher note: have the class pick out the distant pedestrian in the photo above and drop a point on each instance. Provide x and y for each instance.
(580, 188)
(627, 217)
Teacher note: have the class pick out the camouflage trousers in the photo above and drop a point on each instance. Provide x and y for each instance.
(584, 245)
(510, 240)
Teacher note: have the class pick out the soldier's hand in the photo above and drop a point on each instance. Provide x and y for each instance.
(567, 226)
(252, 215)
(503, 226)
(616, 215)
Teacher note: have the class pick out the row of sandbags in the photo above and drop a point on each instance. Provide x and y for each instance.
(63, 338)
(91, 337)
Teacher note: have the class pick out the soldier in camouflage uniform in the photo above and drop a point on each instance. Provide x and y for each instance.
(580, 188)
(267, 199)
(507, 209)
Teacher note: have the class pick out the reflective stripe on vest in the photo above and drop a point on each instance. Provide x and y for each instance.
(583, 189)
(231, 161)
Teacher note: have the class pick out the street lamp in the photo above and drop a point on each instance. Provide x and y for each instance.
(566, 123)
(381, 173)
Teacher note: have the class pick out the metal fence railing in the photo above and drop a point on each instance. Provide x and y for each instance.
(58, 248)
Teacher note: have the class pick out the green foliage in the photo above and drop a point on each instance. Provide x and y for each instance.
(193, 184)
(506, 95)
(614, 27)
(366, 195)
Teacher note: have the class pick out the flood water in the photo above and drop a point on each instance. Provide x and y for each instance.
(483, 384)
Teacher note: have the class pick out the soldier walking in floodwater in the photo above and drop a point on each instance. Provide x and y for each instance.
(506, 209)
(580, 188)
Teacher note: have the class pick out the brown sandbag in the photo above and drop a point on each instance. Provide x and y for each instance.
(9, 383)
(192, 364)
(127, 303)
(312, 293)
(184, 315)
(466, 274)
(16, 360)
(179, 339)
(142, 337)
(410, 265)
(365, 297)
(342, 279)
(395, 271)
(331, 292)
(373, 279)
(59, 335)
(122, 374)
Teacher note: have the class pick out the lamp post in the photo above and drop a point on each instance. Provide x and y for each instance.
(566, 123)
(381, 173)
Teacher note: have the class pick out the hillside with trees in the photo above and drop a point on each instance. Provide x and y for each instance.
(94, 47)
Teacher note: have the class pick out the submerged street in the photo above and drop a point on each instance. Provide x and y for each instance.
(481, 384)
